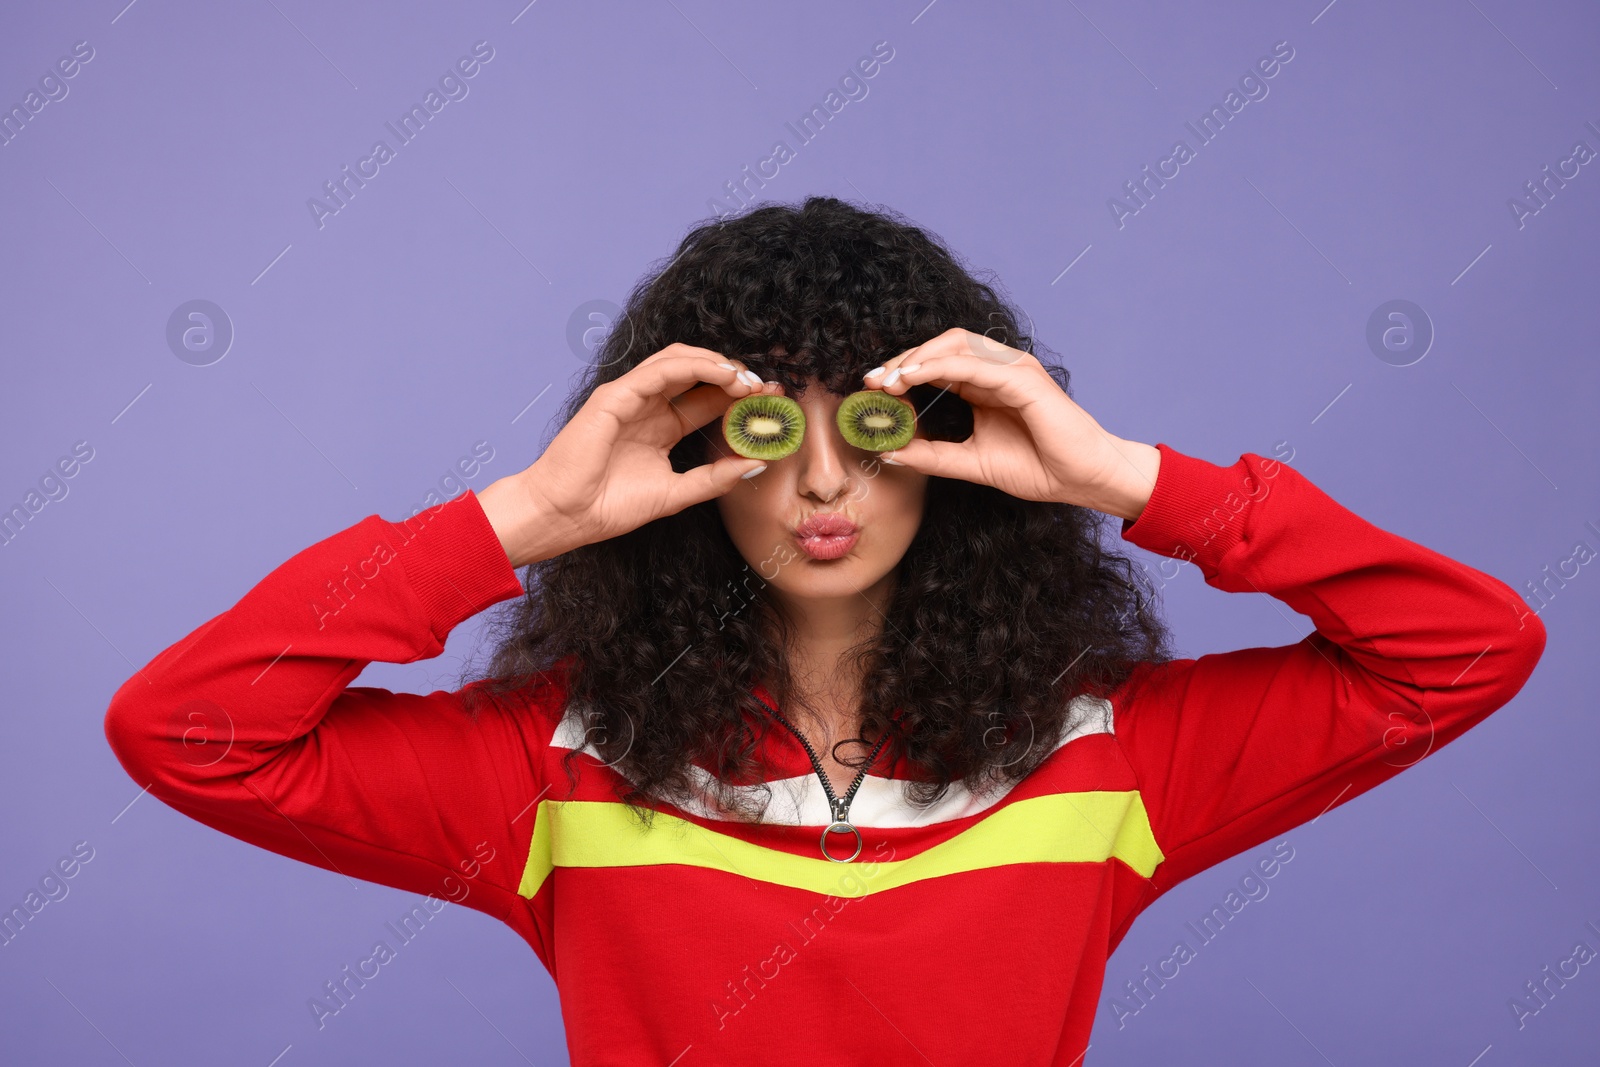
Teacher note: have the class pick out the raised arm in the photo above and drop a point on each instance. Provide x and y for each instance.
(247, 723)
(1411, 649)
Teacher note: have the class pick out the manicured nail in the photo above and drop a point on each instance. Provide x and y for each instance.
(725, 366)
(753, 473)
(894, 376)
(873, 373)
(907, 370)
(888, 457)
(750, 377)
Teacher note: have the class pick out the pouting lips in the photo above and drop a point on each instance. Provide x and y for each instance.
(827, 536)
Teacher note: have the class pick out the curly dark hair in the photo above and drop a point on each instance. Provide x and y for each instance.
(1002, 610)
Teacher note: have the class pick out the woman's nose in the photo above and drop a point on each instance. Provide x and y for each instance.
(824, 467)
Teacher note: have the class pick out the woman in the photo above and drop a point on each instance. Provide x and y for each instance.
(842, 758)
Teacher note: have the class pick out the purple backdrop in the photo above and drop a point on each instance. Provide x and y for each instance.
(350, 354)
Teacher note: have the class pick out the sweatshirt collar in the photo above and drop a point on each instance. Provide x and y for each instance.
(788, 757)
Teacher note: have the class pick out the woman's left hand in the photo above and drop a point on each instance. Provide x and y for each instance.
(1029, 438)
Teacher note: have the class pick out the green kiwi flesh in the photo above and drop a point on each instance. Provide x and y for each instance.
(764, 426)
(877, 421)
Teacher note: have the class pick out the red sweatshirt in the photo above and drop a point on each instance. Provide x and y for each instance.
(972, 933)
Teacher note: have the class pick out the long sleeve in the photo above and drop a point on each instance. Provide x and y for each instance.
(248, 726)
(1410, 650)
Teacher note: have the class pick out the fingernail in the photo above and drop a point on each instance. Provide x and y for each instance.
(907, 370)
(750, 377)
(725, 366)
(894, 376)
(753, 473)
(873, 373)
(888, 457)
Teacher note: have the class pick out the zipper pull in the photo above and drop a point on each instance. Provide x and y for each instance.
(841, 825)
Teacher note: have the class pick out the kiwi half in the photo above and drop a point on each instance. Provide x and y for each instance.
(877, 421)
(764, 426)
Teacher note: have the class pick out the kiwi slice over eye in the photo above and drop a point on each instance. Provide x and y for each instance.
(764, 426)
(877, 421)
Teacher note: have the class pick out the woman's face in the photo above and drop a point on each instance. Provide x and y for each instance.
(830, 478)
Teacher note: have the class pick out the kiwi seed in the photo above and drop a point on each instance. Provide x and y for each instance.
(877, 421)
(764, 426)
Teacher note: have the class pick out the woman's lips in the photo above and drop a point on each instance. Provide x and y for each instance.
(826, 536)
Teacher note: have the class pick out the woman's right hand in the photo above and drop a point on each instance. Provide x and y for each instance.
(607, 471)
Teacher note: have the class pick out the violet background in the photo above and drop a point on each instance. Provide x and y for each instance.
(1225, 317)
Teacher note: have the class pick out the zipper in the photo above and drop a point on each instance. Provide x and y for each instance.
(839, 806)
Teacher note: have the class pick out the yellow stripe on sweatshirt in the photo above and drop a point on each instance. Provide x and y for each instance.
(1082, 827)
